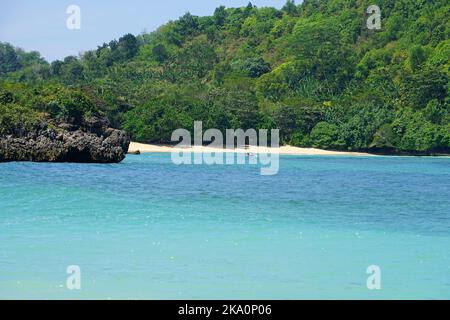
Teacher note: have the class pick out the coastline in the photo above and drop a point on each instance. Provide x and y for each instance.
(283, 150)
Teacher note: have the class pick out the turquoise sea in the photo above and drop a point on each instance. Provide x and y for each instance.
(148, 229)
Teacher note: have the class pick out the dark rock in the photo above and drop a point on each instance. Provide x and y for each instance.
(91, 142)
(67, 126)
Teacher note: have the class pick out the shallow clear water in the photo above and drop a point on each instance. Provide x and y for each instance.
(146, 228)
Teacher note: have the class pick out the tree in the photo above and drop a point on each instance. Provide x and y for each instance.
(9, 60)
(195, 59)
(72, 70)
(384, 139)
(128, 46)
(290, 8)
(420, 87)
(56, 67)
(286, 119)
(220, 15)
(249, 9)
(256, 67)
(322, 53)
(160, 53)
(325, 136)
(417, 57)
(187, 25)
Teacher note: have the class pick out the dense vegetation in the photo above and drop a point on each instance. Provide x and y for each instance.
(312, 70)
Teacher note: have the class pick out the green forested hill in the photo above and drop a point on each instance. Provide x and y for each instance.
(312, 70)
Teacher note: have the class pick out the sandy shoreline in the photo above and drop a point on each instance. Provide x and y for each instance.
(284, 150)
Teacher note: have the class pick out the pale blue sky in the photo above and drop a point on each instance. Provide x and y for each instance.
(41, 25)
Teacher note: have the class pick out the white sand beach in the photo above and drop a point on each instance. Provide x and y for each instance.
(284, 150)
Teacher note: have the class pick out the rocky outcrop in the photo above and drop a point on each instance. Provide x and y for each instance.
(93, 141)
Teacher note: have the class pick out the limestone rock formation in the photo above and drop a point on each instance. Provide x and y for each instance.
(92, 141)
